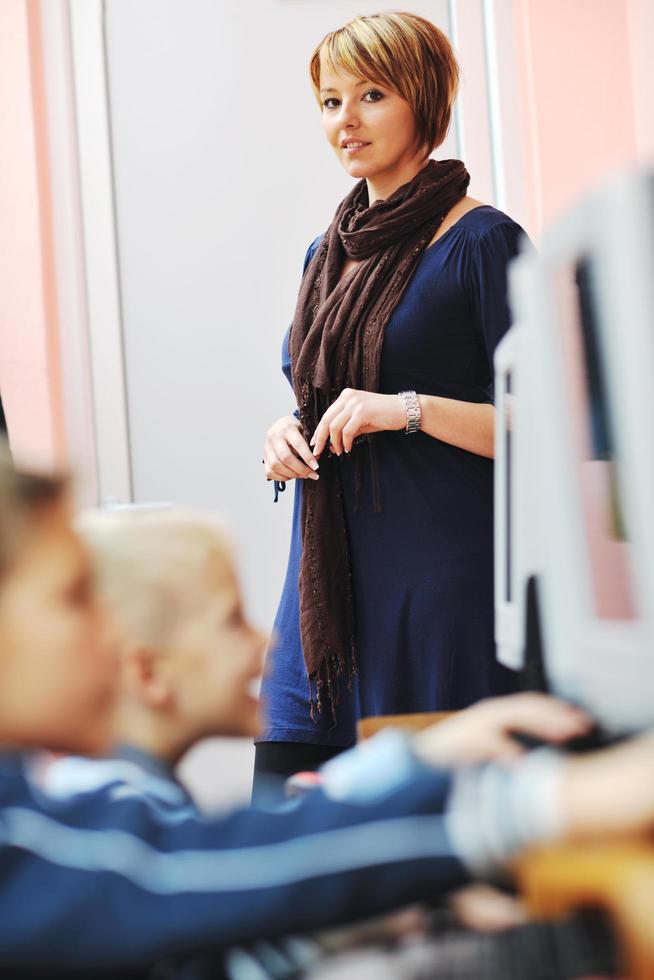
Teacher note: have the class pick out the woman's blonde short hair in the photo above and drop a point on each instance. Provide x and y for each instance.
(404, 52)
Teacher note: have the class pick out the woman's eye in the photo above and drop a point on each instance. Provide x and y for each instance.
(375, 96)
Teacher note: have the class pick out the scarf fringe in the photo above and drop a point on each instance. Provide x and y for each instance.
(325, 683)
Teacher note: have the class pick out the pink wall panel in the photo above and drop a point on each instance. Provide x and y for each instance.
(641, 22)
(578, 96)
(29, 365)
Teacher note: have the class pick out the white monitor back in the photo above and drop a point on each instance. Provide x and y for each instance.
(517, 545)
(584, 450)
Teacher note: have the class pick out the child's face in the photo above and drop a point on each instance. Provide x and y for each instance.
(216, 662)
(57, 681)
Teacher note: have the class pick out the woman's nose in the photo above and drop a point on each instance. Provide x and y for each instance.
(348, 115)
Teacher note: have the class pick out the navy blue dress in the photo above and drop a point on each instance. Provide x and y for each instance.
(423, 568)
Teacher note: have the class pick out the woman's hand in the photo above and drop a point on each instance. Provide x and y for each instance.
(355, 413)
(286, 454)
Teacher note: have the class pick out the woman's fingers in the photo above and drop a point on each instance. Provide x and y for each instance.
(350, 431)
(336, 427)
(302, 448)
(275, 469)
(281, 463)
(286, 453)
(290, 461)
(330, 429)
(341, 423)
(344, 428)
(322, 435)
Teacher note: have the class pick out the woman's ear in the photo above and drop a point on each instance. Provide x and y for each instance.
(145, 679)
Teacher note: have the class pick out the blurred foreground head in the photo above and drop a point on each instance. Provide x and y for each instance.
(56, 677)
(189, 657)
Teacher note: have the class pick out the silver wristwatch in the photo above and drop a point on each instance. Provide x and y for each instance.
(413, 411)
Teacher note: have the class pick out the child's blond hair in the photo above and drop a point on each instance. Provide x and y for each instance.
(156, 570)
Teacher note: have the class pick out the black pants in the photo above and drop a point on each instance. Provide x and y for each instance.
(274, 762)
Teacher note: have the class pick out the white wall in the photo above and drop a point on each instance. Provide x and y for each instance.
(222, 178)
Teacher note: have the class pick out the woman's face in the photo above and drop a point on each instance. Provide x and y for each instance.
(370, 127)
(57, 676)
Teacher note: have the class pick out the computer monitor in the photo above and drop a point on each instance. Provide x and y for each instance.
(508, 641)
(517, 546)
(575, 471)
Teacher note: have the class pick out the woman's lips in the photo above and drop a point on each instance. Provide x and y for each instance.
(355, 147)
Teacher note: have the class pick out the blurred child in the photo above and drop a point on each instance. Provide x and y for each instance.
(188, 658)
(91, 886)
(57, 666)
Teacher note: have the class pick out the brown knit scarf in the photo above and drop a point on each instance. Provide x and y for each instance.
(335, 343)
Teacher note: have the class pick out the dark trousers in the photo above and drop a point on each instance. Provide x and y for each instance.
(274, 762)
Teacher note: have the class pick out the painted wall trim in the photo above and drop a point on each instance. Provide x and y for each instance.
(45, 217)
(100, 251)
(68, 246)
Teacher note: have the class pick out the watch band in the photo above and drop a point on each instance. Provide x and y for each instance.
(413, 411)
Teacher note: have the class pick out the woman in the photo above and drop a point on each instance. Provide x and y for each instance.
(388, 601)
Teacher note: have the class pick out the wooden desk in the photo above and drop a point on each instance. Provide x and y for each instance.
(616, 876)
(367, 727)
